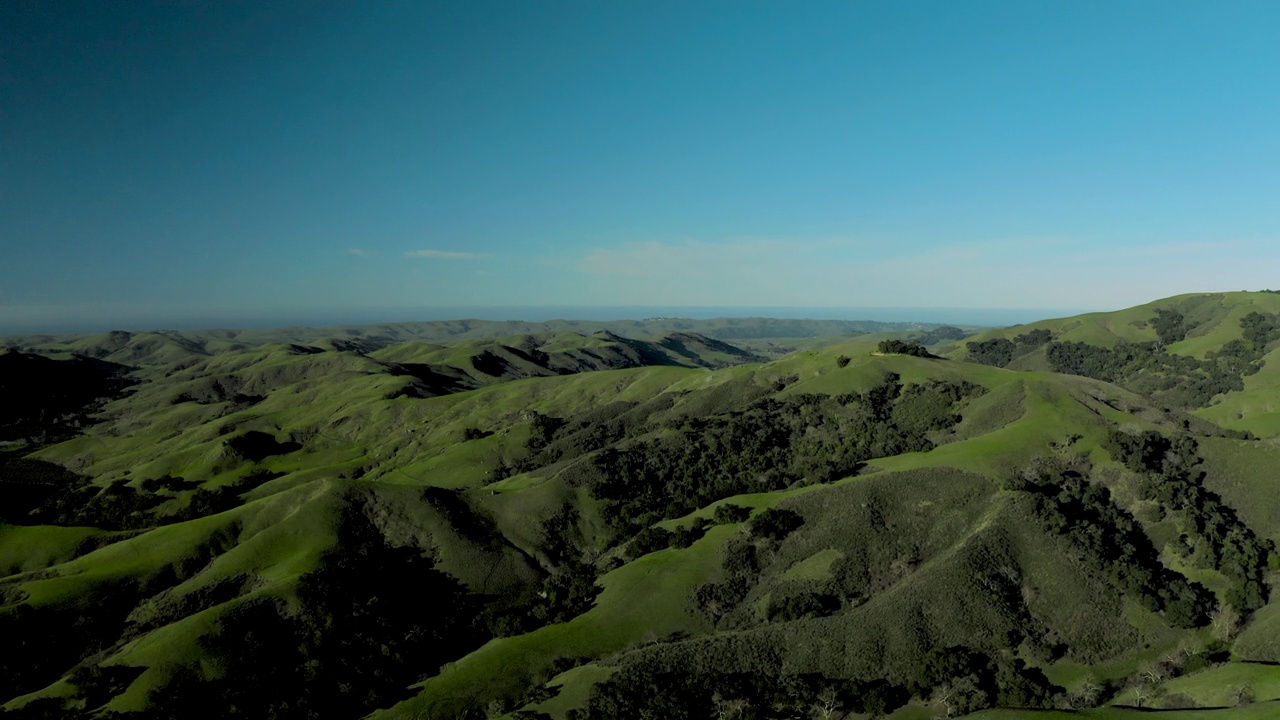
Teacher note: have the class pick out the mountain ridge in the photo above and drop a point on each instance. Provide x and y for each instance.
(602, 529)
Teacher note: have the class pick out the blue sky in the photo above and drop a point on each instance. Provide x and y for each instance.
(223, 158)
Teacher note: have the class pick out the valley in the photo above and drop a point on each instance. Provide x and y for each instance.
(741, 518)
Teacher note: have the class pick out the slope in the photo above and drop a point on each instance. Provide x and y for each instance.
(833, 514)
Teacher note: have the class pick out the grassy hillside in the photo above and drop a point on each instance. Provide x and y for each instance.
(151, 348)
(612, 527)
(1209, 354)
(1212, 320)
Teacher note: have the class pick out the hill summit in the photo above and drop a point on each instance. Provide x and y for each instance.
(1078, 514)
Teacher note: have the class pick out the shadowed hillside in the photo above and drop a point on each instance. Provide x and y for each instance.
(618, 527)
(40, 396)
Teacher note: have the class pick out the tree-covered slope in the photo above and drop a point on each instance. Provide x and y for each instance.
(1208, 320)
(1210, 354)
(611, 527)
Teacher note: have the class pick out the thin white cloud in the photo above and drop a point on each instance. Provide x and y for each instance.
(445, 255)
(360, 252)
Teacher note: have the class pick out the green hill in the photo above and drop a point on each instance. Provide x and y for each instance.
(591, 524)
(1210, 354)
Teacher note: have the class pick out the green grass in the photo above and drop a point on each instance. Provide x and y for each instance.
(277, 537)
(162, 651)
(1257, 408)
(461, 465)
(641, 601)
(1260, 639)
(574, 689)
(1054, 411)
(940, 520)
(817, 371)
(815, 567)
(1215, 687)
(28, 548)
(1243, 473)
(1214, 319)
(1257, 711)
(998, 408)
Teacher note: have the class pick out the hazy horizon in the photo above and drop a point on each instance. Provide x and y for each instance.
(220, 157)
(979, 317)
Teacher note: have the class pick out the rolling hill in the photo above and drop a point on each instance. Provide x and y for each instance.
(582, 522)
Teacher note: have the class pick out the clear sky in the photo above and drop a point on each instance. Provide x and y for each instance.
(219, 158)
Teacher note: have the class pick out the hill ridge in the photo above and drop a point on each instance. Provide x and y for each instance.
(677, 498)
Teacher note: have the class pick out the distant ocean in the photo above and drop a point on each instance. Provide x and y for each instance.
(91, 322)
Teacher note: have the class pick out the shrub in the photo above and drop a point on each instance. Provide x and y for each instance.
(776, 524)
(472, 433)
(729, 513)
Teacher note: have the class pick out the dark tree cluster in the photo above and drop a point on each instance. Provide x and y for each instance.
(555, 439)
(1033, 339)
(474, 433)
(800, 605)
(27, 484)
(729, 513)
(170, 484)
(1083, 512)
(566, 594)
(771, 445)
(654, 538)
(1179, 380)
(650, 690)
(98, 684)
(1170, 326)
(1148, 369)
(1171, 476)
(1260, 329)
(570, 589)
(44, 400)
(567, 591)
(117, 506)
(541, 431)
(964, 681)
(775, 524)
(257, 446)
(999, 352)
(961, 679)
(205, 502)
(741, 563)
(924, 408)
(39, 644)
(358, 638)
(903, 347)
(1095, 361)
(61, 497)
(558, 535)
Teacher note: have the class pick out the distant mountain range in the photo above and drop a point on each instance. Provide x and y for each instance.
(373, 337)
